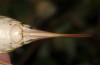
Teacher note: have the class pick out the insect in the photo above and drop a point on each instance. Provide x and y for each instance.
(14, 34)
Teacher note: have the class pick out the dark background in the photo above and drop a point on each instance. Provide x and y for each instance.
(59, 16)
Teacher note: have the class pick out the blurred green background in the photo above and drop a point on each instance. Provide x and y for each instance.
(59, 16)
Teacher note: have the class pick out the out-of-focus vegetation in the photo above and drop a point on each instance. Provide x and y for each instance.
(60, 16)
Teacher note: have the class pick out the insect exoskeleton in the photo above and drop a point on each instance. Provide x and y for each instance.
(11, 34)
